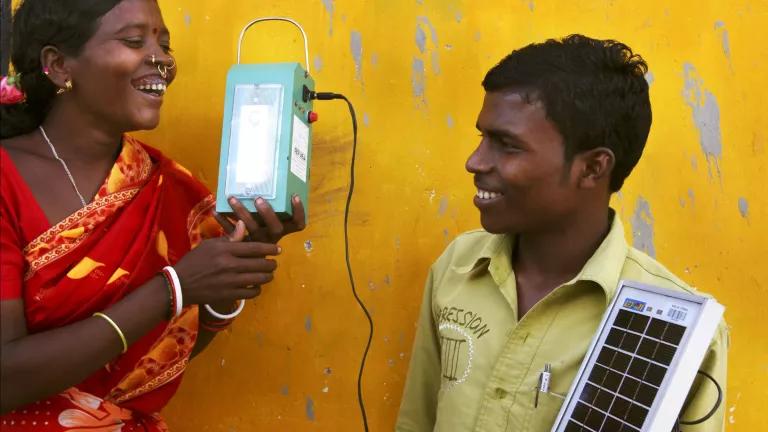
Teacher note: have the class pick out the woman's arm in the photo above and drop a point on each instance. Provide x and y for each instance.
(36, 366)
(33, 367)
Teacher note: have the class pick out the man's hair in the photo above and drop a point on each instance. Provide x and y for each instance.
(594, 91)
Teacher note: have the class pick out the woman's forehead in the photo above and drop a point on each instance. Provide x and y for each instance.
(133, 14)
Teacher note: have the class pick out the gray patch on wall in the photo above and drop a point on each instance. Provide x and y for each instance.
(417, 77)
(706, 116)
(421, 39)
(329, 8)
(719, 25)
(421, 42)
(744, 207)
(649, 77)
(642, 227)
(443, 206)
(356, 47)
(310, 409)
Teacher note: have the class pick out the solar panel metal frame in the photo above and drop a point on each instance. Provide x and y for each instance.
(677, 381)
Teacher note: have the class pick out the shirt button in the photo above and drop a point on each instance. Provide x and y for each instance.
(500, 393)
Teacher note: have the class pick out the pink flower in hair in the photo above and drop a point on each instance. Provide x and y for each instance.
(10, 94)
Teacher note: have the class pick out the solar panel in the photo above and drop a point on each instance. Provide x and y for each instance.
(641, 363)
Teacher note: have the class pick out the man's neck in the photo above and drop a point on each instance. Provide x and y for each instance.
(560, 254)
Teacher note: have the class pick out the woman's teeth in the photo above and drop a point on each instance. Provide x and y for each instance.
(157, 88)
(487, 195)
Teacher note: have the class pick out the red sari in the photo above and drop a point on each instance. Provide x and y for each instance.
(149, 213)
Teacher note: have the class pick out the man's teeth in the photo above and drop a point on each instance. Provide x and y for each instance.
(487, 195)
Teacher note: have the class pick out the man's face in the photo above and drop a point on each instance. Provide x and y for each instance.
(522, 179)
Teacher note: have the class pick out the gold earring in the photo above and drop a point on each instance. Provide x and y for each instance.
(67, 87)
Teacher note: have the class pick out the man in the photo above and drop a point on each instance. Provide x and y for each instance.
(563, 123)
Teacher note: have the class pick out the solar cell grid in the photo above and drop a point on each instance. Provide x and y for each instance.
(628, 382)
(625, 366)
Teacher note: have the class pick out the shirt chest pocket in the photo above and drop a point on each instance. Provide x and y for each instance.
(542, 417)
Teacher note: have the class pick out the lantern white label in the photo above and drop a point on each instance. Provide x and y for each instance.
(299, 149)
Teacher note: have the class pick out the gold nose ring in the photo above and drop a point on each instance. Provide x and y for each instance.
(153, 59)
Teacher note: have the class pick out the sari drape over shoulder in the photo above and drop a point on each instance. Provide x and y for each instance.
(149, 213)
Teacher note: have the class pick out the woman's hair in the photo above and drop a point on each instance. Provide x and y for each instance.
(66, 25)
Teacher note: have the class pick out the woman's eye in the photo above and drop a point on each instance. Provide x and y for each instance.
(167, 48)
(133, 43)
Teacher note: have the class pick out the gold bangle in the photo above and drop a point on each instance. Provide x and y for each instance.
(117, 329)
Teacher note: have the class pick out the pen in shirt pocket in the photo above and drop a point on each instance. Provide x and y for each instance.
(543, 385)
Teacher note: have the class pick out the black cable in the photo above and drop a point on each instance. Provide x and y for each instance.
(711, 412)
(331, 96)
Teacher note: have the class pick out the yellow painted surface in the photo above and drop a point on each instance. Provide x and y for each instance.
(290, 362)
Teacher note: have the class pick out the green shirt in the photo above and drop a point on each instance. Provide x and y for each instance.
(475, 367)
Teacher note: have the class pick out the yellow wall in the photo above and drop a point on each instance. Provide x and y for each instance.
(413, 69)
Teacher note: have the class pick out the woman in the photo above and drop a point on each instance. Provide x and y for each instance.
(108, 247)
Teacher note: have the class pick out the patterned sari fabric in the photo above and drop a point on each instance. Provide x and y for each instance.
(148, 213)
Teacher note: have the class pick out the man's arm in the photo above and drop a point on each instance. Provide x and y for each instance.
(419, 404)
(704, 391)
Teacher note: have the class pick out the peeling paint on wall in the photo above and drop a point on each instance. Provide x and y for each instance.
(421, 42)
(356, 47)
(649, 77)
(328, 4)
(421, 39)
(706, 116)
(318, 63)
(309, 409)
(744, 207)
(417, 77)
(443, 206)
(720, 26)
(642, 227)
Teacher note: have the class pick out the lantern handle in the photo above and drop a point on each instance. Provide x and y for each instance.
(258, 20)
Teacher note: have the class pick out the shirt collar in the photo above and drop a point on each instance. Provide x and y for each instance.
(603, 267)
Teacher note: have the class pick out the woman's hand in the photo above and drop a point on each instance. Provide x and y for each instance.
(272, 229)
(226, 269)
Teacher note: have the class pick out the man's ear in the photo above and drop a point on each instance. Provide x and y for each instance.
(54, 66)
(596, 166)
